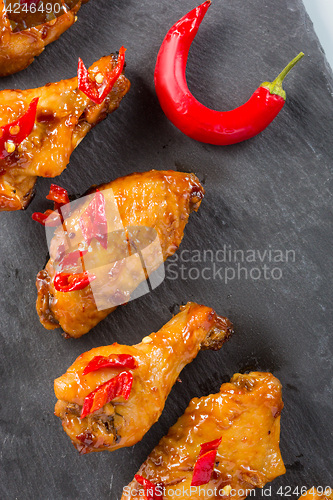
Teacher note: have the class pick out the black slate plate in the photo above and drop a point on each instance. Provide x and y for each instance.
(269, 193)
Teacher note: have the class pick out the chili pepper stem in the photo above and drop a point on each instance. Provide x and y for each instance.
(275, 87)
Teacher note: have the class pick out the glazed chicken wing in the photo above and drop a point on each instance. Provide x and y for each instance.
(241, 422)
(64, 116)
(24, 35)
(157, 362)
(313, 494)
(157, 201)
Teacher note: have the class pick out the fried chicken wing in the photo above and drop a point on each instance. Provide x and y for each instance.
(313, 494)
(159, 359)
(24, 36)
(64, 116)
(244, 418)
(161, 200)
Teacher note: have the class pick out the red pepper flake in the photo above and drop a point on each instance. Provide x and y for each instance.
(120, 385)
(96, 91)
(212, 445)
(60, 198)
(14, 133)
(53, 221)
(58, 195)
(152, 491)
(112, 361)
(60, 254)
(71, 258)
(93, 221)
(68, 282)
(204, 466)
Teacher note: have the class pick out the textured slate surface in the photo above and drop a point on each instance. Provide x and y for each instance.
(271, 192)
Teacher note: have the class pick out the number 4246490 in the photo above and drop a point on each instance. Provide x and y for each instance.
(288, 491)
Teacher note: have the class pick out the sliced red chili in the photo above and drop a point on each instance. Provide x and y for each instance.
(212, 445)
(60, 253)
(97, 92)
(68, 282)
(93, 221)
(112, 361)
(71, 258)
(58, 195)
(120, 385)
(53, 221)
(204, 466)
(14, 133)
(152, 491)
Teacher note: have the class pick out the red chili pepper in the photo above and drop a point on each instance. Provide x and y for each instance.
(120, 385)
(204, 466)
(71, 258)
(212, 445)
(112, 361)
(42, 217)
(68, 282)
(93, 221)
(15, 132)
(58, 194)
(192, 117)
(97, 92)
(152, 491)
(60, 197)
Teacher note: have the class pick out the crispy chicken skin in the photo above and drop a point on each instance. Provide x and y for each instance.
(161, 200)
(18, 49)
(246, 414)
(160, 358)
(64, 116)
(313, 494)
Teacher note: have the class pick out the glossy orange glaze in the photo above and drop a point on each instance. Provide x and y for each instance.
(64, 116)
(161, 200)
(18, 50)
(246, 413)
(313, 494)
(160, 359)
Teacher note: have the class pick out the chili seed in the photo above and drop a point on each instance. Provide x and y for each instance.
(146, 340)
(99, 78)
(10, 147)
(226, 490)
(14, 130)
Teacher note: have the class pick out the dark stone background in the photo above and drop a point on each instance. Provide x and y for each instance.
(270, 191)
